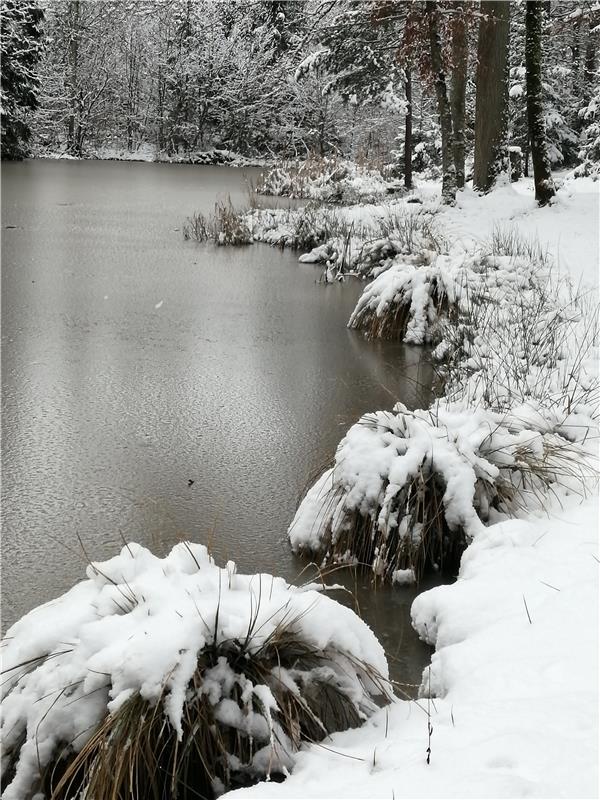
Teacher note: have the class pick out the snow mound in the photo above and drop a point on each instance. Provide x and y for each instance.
(176, 635)
(411, 489)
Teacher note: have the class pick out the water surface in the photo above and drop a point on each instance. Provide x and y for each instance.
(135, 363)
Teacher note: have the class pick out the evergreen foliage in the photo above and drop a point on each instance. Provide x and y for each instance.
(21, 31)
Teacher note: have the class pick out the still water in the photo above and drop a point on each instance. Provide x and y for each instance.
(135, 362)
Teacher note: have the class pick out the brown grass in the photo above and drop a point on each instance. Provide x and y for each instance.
(393, 323)
(135, 754)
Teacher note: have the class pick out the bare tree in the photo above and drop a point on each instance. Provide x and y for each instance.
(73, 124)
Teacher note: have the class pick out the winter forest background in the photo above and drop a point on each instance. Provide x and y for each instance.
(168, 79)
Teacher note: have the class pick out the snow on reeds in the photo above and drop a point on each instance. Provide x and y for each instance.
(517, 349)
(327, 180)
(408, 490)
(343, 241)
(174, 677)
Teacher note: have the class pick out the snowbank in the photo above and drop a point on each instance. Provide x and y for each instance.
(146, 628)
(515, 676)
(568, 228)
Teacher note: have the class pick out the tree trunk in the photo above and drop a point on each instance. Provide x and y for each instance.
(542, 176)
(444, 111)
(589, 68)
(491, 109)
(408, 132)
(73, 61)
(460, 55)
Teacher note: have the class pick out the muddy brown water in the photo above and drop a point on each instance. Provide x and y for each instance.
(134, 362)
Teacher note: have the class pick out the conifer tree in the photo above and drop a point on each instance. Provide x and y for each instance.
(21, 31)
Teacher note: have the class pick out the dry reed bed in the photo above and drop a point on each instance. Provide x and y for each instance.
(409, 490)
(172, 677)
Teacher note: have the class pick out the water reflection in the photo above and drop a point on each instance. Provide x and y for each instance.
(134, 361)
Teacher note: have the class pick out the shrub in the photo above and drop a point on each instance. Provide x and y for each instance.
(408, 490)
(175, 678)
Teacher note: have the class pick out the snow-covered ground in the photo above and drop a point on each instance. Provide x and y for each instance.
(514, 678)
(569, 228)
(515, 674)
(148, 153)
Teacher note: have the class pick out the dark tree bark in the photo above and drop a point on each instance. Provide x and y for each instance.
(408, 132)
(444, 110)
(491, 108)
(542, 176)
(460, 56)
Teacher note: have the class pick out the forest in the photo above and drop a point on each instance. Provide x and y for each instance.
(408, 87)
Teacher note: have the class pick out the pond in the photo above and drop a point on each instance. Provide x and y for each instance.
(156, 389)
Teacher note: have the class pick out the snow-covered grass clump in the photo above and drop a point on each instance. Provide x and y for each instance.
(508, 328)
(346, 241)
(417, 300)
(174, 677)
(408, 301)
(409, 490)
(327, 180)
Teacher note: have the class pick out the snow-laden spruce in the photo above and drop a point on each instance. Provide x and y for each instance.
(175, 672)
(409, 489)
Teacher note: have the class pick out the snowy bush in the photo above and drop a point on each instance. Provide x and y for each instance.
(507, 330)
(406, 302)
(370, 249)
(327, 180)
(408, 490)
(174, 677)
(415, 298)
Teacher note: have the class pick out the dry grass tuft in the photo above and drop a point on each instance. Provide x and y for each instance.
(136, 754)
(226, 226)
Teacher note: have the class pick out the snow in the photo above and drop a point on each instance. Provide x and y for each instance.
(515, 713)
(515, 672)
(473, 451)
(137, 625)
(327, 180)
(568, 228)
(149, 153)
